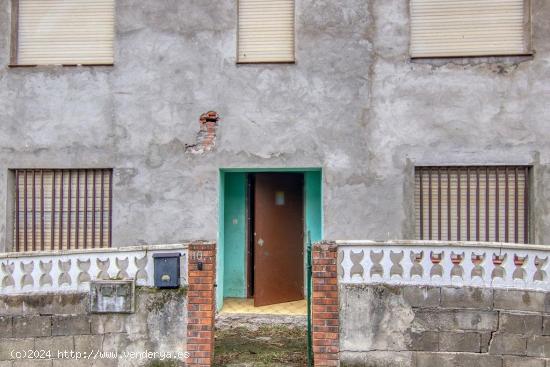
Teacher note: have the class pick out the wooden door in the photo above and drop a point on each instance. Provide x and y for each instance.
(278, 238)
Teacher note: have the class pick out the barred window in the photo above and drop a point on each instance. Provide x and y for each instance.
(472, 203)
(62, 209)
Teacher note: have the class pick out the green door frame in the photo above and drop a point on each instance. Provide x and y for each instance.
(313, 201)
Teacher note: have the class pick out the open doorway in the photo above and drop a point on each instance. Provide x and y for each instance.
(276, 237)
(265, 219)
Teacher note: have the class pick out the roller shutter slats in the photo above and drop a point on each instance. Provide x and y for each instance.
(67, 32)
(65, 214)
(266, 31)
(444, 28)
(475, 203)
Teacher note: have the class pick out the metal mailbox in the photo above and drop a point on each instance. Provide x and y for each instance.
(167, 270)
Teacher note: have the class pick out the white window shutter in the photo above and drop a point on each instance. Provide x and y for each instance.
(66, 32)
(266, 31)
(447, 28)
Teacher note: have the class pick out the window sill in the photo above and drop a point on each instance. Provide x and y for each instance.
(473, 60)
(293, 62)
(58, 65)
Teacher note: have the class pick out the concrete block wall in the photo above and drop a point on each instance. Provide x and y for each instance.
(47, 325)
(383, 325)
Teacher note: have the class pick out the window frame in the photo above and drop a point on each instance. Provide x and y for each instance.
(12, 244)
(529, 223)
(237, 58)
(527, 30)
(14, 43)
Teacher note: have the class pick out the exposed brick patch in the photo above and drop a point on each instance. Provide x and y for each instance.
(206, 137)
(201, 306)
(325, 315)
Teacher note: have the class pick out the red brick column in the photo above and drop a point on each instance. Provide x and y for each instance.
(325, 316)
(201, 304)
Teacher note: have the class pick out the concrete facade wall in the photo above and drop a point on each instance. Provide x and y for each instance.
(353, 103)
(442, 326)
(55, 323)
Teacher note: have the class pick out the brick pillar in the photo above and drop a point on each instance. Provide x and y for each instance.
(201, 306)
(325, 316)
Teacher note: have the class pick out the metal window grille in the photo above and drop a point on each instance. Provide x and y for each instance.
(62, 209)
(472, 203)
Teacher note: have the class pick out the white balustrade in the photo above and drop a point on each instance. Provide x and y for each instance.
(69, 271)
(494, 265)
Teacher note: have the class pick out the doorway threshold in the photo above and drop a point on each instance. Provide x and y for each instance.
(246, 306)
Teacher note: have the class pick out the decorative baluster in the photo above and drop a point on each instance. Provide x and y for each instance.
(74, 271)
(45, 279)
(407, 265)
(8, 280)
(478, 273)
(83, 266)
(437, 257)
(417, 270)
(488, 266)
(17, 275)
(426, 264)
(26, 276)
(366, 263)
(122, 267)
(541, 273)
(386, 263)
(64, 279)
(142, 275)
(517, 269)
(509, 266)
(498, 274)
(103, 266)
(377, 269)
(356, 270)
(131, 267)
(456, 273)
(467, 266)
(396, 269)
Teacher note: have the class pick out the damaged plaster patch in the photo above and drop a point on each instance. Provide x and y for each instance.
(206, 137)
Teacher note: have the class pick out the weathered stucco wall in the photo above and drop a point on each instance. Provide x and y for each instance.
(394, 326)
(52, 324)
(353, 103)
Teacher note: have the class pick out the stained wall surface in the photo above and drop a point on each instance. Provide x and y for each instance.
(354, 104)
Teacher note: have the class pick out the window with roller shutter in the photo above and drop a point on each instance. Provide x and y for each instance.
(62, 32)
(62, 209)
(454, 28)
(266, 31)
(472, 203)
